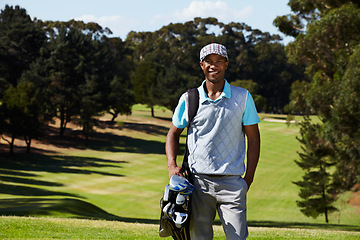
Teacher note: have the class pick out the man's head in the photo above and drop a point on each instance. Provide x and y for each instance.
(214, 62)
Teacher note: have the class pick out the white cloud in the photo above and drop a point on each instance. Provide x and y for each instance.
(218, 9)
(119, 25)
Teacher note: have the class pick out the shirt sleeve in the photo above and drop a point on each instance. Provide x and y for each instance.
(180, 116)
(250, 115)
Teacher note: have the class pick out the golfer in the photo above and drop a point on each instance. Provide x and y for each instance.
(217, 148)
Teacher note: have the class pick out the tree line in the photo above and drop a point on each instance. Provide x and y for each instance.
(75, 71)
(65, 70)
(327, 42)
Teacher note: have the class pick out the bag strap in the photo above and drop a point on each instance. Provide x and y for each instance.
(193, 105)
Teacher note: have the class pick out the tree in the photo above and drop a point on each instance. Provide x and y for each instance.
(328, 48)
(66, 68)
(344, 126)
(173, 51)
(171, 83)
(23, 112)
(90, 104)
(144, 82)
(73, 59)
(316, 187)
(121, 98)
(20, 42)
(306, 12)
(298, 104)
(89, 73)
(117, 66)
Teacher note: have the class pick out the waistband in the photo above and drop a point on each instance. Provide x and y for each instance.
(218, 175)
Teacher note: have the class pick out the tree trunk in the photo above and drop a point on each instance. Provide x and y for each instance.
(12, 144)
(325, 202)
(62, 122)
(326, 216)
(114, 116)
(28, 144)
(86, 131)
(152, 112)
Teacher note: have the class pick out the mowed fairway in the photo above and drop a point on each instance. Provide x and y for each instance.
(121, 174)
(60, 228)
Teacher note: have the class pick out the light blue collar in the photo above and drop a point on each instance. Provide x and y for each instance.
(203, 96)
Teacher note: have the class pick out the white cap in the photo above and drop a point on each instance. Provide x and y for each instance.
(213, 48)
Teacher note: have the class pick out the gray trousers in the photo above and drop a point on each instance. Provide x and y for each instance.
(225, 194)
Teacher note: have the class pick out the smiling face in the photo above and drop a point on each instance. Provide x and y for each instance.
(214, 67)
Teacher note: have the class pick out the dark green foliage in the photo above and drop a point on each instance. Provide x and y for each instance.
(306, 11)
(121, 98)
(315, 159)
(329, 49)
(23, 112)
(116, 69)
(79, 73)
(344, 127)
(69, 70)
(170, 58)
(20, 41)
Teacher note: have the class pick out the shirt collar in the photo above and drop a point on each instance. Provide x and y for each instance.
(203, 96)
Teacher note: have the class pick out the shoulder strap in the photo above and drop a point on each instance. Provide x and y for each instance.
(193, 105)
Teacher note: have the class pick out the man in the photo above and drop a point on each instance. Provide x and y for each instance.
(216, 142)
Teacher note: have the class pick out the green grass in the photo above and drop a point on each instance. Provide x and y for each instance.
(272, 196)
(120, 177)
(58, 228)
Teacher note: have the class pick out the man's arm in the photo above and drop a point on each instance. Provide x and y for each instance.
(172, 148)
(253, 152)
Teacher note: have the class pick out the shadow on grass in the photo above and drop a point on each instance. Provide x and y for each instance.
(299, 225)
(115, 143)
(110, 142)
(76, 208)
(169, 119)
(19, 164)
(304, 225)
(30, 191)
(18, 172)
(18, 177)
(147, 128)
(36, 201)
(68, 207)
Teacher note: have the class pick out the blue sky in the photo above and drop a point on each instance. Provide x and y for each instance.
(146, 15)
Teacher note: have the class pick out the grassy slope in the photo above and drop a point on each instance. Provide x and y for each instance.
(122, 174)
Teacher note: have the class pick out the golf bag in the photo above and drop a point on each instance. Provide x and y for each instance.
(175, 206)
(176, 202)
